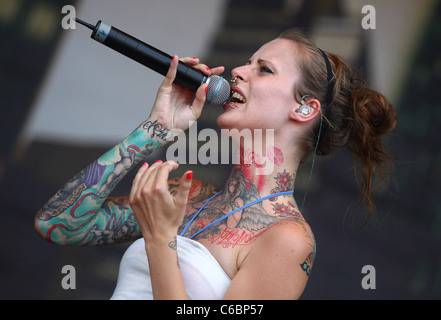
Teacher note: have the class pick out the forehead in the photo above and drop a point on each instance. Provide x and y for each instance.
(280, 52)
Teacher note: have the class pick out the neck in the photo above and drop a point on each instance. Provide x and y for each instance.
(261, 175)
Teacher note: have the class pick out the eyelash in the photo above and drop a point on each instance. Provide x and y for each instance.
(265, 69)
(262, 68)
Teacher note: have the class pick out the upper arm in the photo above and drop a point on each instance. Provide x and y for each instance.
(277, 267)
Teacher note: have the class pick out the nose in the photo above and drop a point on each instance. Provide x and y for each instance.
(240, 73)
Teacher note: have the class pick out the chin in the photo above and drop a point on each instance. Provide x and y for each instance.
(229, 121)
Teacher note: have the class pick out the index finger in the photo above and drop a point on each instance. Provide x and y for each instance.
(218, 70)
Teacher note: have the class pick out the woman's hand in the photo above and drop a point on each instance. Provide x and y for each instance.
(174, 107)
(158, 212)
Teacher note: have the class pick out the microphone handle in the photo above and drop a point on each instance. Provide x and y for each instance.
(153, 58)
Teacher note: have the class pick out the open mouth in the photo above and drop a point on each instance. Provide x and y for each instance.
(235, 100)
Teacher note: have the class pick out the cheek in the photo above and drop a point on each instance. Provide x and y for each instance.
(274, 101)
(277, 92)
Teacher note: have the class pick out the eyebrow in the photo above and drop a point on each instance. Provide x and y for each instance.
(263, 61)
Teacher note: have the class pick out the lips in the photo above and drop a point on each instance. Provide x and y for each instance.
(237, 97)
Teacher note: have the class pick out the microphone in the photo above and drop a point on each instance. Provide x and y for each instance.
(218, 88)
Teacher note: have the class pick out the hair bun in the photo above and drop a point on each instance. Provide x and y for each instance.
(375, 112)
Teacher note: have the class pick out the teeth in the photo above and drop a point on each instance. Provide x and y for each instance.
(238, 96)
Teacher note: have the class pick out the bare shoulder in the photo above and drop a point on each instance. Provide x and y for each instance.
(292, 236)
(290, 245)
(278, 264)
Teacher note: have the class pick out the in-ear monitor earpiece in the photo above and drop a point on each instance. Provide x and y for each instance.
(304, 109)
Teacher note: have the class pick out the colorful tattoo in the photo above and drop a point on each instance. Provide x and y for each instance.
(80, 213)
(246, 225)
(283, 210)
(285, 182)
(230, 238)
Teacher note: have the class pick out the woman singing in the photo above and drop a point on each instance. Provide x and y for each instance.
(248, 240)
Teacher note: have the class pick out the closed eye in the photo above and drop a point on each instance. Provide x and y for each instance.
(262, 66)
(265, 69)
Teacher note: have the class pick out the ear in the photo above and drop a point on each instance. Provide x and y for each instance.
(314, 107)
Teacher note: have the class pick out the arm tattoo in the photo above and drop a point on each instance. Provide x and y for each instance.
(307, 264)
(173, 244)
(156, 129)
(80, 213)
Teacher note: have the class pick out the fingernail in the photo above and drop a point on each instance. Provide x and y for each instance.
(206, 89)
(194, 58)
(144, 164)
(189, 175)
(208, 69)
(159, 161)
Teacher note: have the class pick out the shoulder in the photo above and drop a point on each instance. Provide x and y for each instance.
(292, 237)
(288, 249)
(277, 265)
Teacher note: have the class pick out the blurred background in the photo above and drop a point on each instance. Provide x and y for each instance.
(65, 100)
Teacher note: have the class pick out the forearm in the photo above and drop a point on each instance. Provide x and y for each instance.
(73, 210)
(165, 273)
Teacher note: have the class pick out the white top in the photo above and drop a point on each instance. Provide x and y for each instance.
(204, 278)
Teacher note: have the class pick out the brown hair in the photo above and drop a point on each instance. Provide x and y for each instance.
(357, 117)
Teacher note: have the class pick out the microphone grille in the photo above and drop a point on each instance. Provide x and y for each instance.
(218, 90)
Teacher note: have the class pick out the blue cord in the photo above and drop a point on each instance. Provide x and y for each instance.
(191, 221)
(232, 212)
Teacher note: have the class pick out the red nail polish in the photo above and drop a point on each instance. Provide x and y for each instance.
(144, 164)
(189, 175)
(208, 69)
(159, 161)
(206, 89)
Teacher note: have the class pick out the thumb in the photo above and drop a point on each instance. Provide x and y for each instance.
(184, 189)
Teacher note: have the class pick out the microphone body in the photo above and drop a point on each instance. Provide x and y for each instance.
(187, 76)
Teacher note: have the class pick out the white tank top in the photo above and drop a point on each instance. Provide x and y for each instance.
(204, 278)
